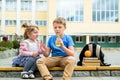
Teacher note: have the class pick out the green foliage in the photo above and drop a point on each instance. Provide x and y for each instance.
(6, 44)
(16, 44)
(3, 48)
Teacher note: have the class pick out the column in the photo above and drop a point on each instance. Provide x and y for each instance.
(88, 9)
(119, 10)
(18, 17)
(87, 39)
(3, 18)
(50, 17)
(33, 11)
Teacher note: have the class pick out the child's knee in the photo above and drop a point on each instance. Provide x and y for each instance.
(40, 61)
(71, 60)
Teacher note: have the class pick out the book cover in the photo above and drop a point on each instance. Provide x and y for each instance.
(91, 61)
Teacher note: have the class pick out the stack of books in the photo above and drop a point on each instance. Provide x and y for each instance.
(91, 61)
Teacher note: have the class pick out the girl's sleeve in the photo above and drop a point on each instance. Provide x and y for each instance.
(24, 50)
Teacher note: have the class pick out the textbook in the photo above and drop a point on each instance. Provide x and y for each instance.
(91, 64)
(91, 61)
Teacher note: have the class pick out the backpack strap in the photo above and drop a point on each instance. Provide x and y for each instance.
(98, 51)
(90, 47)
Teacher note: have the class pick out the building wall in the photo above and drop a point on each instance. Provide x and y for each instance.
(86, 28)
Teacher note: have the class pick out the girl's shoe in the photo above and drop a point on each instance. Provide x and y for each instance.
(31, 76)
(25, 76)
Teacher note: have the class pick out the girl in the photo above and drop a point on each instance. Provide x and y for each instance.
(30, 50)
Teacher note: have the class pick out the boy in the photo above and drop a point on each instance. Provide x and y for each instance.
(62, 54)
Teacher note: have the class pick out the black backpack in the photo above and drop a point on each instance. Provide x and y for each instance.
(96, 52)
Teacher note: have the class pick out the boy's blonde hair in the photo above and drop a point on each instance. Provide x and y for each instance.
(60, 20)
(29, 29)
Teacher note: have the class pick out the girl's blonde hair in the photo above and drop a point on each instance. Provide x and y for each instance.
(29, 29)
(60, 20)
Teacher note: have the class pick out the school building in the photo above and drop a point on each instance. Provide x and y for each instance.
(88, 21)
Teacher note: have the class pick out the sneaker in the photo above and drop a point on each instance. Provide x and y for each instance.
(48, 79)
(31, 76)
(25, 76)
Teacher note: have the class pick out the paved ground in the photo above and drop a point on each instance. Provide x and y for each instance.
(8, 62)
(111, 58)
(73, 78)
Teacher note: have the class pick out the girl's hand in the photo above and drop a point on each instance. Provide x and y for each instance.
(43, 48)
(35, 54)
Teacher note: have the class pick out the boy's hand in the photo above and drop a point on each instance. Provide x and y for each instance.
(61, 42)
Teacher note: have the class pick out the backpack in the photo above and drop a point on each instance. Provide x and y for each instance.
(96, 51)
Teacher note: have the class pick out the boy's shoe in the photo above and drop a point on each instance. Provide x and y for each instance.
(24, 76)
(47, 79)
(31, 76)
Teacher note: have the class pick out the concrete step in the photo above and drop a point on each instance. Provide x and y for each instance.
(79, 71)
(73, 78)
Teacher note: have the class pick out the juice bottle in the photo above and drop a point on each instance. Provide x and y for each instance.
(57, 42)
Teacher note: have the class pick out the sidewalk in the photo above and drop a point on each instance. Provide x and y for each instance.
(111, 58)
(8, 62)
(73, 78)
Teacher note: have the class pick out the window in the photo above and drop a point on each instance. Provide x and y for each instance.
(0, 4)
(11, 4)
(41, 5)
(26, 5)
(101, 39)
(10, 22)
(91, 39)
(105, 10)
(119, 39)
(112, 39)
(71, 10)
(79, 39)
(25, 21)
(41, 22)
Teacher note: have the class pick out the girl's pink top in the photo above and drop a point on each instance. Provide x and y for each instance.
(28, 47)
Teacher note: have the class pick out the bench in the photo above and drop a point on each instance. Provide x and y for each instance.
(77, 68)
(9, 68)
(9, 71)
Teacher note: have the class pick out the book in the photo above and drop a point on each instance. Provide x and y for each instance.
(91, 61)
(91, 64)
(91, 58)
